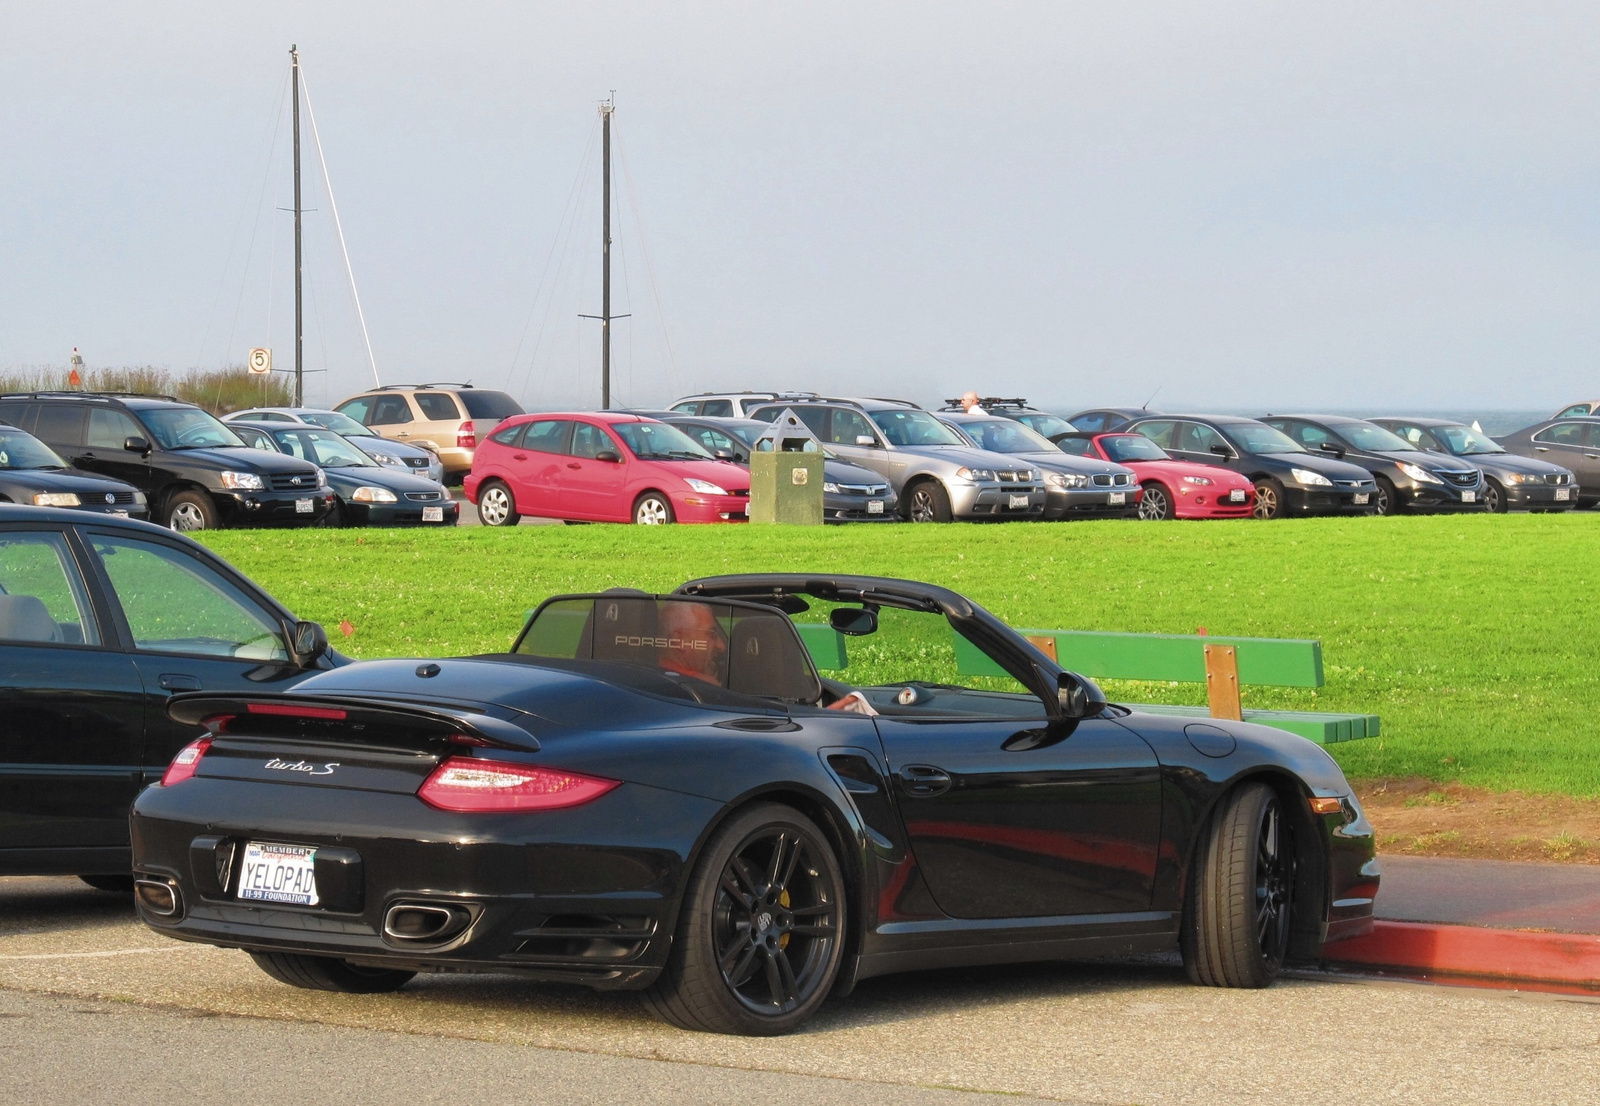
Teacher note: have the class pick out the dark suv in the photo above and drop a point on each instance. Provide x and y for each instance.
(196, 473)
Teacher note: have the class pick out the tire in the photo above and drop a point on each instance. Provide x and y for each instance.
(653, 509)
(496, 505)
(327, 973)
(119, 885)
(1241, 888)
(1387, 500)
(1156, 505)
(750, 870)
(188, 511)
(1494, 497)
(334, 519)
(927, 501)
(1269, 498)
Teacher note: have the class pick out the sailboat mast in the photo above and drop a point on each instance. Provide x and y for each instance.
(605, 257)
(299, 319)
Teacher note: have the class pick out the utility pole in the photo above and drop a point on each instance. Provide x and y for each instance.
(299, 320)
(605, 315)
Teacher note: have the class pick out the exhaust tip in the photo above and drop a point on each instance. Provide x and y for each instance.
(157, 896)
(425, 923)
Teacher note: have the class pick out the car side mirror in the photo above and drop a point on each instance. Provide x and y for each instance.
(1333, 448)
(307, 642)
(1221, 450)
(866, 439)
(135, 444)
(1079, 697)
(853, 621)
(608, 455)
(724, 455)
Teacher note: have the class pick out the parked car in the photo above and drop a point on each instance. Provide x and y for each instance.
(195, 473)
(1076, 486)
(369, 494)
(1289, 480)
(651, 792)
(1509, 482)
(101, 621)
(1172, 488)
(1579, 410)
(447, 419)
(1408, 479)
(31, 473)
(414, 459)
(1572, 443)
(850, 493)
(1102, 420)
(935, 472)
(602, 466)
(731, 405)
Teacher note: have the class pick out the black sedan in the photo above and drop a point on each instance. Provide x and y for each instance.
(32, 473)
(1408, 479)
(1103, 420)
(1572, 443)
(1290, 480)
(1510, 482)
(368, 494)
(658, 792)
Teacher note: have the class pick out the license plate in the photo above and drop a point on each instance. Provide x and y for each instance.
(1019, 503)
(1563, 493)
(304, 506)
(433, 514)
(119, 514)
(1117, 499)
(1236, 496)
(875, 507)
(1361, 498)
(278, 873)
(1469, 497)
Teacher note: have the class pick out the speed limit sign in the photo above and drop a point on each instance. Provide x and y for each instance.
(260, 361)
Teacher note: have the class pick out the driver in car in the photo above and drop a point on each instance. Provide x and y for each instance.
(697, 647)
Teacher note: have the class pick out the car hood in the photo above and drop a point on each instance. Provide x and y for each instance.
(62, 480)
(378, 476)
(1327, 466)
(1433, 462)
(958, 456)
(1177, 470)
(842, 472)
(239, 457)
(1068, 462)
(375, 444)
(725, 474)
(1511, 462)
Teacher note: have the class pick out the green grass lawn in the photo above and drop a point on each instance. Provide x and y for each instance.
(1469, 636)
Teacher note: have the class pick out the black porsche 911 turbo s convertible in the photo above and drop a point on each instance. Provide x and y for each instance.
(660, 793)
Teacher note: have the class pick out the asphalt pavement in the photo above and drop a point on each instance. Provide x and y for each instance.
(1090, 1033)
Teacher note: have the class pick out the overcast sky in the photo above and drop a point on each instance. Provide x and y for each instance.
(1238, 204)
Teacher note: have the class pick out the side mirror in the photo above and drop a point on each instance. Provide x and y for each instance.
(135, 444)
(1079, 697)
(307, 642)
(853, 621)
(1332, 447)
(866, 439)
(608, 455)
(1221, 450)
(724, 455)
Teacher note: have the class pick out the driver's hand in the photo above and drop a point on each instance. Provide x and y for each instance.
(855, 703)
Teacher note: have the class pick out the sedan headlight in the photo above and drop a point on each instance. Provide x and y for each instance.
(1205, 480)
(243, 481)
(1524, 478)
(705, 487)
(1419, 474)
(830, 489)
(368, 494)
(964, 473)
(1066, 480)
(386, 459)
(1311, 479)
(56, 499)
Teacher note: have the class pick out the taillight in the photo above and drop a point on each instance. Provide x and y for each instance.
(474, 785)
(466, 436)
(186, 762)
(295, 710)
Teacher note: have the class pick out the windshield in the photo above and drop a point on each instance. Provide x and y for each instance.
(488, 405)
(1464, 441)
(323, 447)
(1005, 436)
(19, 450)
(1260, 438)
(656, 441)
(1364, 435)
(186, 428)
(1048, 425)
(913, 428)
(1133, 447)
(339, 424)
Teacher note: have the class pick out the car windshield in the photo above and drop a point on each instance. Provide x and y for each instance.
(488, 405)
(1005, 436)
(1259, 438)
(186, 428)
(656, 441)
(1048, 425)
(339, 424)
(323, 447)
(1464, 441)
(1133, 447)
(20, 450)
(914, 428)
(1364, 435)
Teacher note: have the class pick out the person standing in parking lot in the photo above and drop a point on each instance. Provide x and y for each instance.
(970, 404)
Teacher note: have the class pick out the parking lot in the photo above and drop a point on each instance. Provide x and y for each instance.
(97, 1007)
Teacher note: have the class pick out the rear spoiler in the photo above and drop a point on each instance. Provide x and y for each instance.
(326, 715)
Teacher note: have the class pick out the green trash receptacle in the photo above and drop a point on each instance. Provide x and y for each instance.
(786, 474)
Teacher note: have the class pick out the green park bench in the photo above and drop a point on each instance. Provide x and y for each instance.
(1223, 664)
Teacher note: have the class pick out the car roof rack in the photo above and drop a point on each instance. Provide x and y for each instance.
(987, 402)
(432, 384)
(66, 393)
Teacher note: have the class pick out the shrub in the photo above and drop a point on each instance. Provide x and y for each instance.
(231, 389)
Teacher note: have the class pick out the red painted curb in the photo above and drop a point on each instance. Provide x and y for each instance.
(1505, 955)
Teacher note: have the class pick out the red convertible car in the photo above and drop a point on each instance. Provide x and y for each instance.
(1172, 488)
(602, 467)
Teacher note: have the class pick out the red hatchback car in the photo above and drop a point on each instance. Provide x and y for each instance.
(602, 467)
(1172, 488)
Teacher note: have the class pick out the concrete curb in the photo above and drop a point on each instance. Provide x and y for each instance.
(1496, 956)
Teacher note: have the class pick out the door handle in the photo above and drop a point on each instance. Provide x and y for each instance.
(402, 433)
(924, 780)
(1593, 456)
(1541, 449)
(519, 456)
(573, 465)
(178, 681)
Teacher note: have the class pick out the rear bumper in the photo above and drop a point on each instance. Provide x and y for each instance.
(273, 508)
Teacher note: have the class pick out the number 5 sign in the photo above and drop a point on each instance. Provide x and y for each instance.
(260, 361)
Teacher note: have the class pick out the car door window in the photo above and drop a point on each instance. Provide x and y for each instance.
(1412, 434)
(509, 435)
(60, 423)
(711, 439)
(717, 408)
(437, 406)
(42, 598)
(19, 415)
(255, 439)
(1312, 437)
(1160, 431)
(690, 408)
(589, 440)
(547, 436)
(1575, 409)
(1591, 436)
(1077, 446)
(175, 603)
(357, 409)
(108, 429)
(390, 411)
(1199, 438)
(847, 427)
(1562, 433)
(1092, 423)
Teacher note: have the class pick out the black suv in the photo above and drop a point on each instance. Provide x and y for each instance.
(196, 473)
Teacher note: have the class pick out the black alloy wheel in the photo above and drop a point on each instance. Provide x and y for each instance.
(496, 507)
(1241, 893)
(1269, 498)
(1385, 501)
(928, 502)
(1494, 497)
(761, 938)
(1157, 503)
(328, 973)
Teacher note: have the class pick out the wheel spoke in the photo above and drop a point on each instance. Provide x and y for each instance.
(742, 869)
(775, 866)
(741, 944)
(780, 991)
(731, 886)
(794, 859)
(791, 988)
(812, 911)
(825, 930)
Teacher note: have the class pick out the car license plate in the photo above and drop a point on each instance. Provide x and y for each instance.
(1117, 499)
(278, 873)
(1563, 493)
(303, 506)
(118, 514)
(1236, 496)
(433, 514)
(1469, 497)
(875, 507)
(1019, 503)
(1360, 498)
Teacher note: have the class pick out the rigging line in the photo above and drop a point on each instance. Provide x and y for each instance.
(255, 228)
(566, 236)
(644, 250)
(338, 226)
